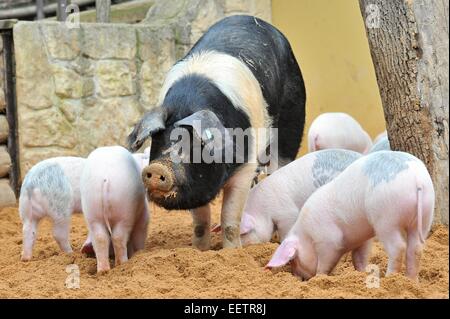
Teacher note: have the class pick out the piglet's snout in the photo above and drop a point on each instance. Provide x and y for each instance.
(158, 177)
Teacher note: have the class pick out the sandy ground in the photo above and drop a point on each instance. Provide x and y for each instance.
(170, 268)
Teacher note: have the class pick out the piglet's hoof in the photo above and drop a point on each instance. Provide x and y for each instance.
(25, 259)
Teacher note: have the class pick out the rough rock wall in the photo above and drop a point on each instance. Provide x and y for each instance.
(84, 88)
(78, 89)
(190, 19)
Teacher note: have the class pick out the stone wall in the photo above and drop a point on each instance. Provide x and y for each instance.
(78, 89)
(7, 197)
(190, 19)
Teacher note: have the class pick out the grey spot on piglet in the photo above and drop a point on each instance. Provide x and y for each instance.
(384, 166)
(382, 145)
(53, 184)
(330, 163)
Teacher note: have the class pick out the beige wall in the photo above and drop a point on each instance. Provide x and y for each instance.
(330, 43)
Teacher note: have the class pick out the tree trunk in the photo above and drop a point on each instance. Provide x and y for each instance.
(409, 41)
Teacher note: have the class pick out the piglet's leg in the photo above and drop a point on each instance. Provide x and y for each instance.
(139, 234)
(328, 257)
(201, 222)
(360, 256)
(395, 246)
(234, 197)
(413, 255)
(101, 241)
(61, 229)
(120, 236)
(29, 237)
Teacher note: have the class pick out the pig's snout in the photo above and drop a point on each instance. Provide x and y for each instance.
(158, 177)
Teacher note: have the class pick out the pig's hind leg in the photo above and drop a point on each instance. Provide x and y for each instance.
(360, 256)
(139, 234)
(413, 254)
(101, 241)
(395, 246)
(120, 236)
(29, 228)
(29, 237)
(61, 230)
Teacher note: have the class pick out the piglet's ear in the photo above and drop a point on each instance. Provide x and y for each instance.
(247, 224)
(152, 122)
(205, 126)
(216, 228)
(284, 254)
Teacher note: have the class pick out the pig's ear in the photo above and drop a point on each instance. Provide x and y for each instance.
(152, 122)
(284, 254)
(205, 124)
(247, 224)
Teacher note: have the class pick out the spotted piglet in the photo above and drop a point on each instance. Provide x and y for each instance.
(50, 189)
(114, 204)
(385, 194)
(274, 204)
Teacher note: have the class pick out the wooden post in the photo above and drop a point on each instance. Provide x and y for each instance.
(409, 43)
(61, 11)
(103, 8)
(40, 9)
(6, 33)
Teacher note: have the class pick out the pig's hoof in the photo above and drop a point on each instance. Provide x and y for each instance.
(25, 259)
(202, 245)
(102, 271)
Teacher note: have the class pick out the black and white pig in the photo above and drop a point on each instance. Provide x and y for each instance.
(242, 74)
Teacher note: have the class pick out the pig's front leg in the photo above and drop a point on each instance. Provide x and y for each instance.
(201, 218)
(235, 195)
(360, 256)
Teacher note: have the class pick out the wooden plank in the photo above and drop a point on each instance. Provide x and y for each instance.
(30, 11)
(11, 108)
(7, 24)
(103, 8)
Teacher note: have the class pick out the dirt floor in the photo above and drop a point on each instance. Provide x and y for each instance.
(170, 268)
